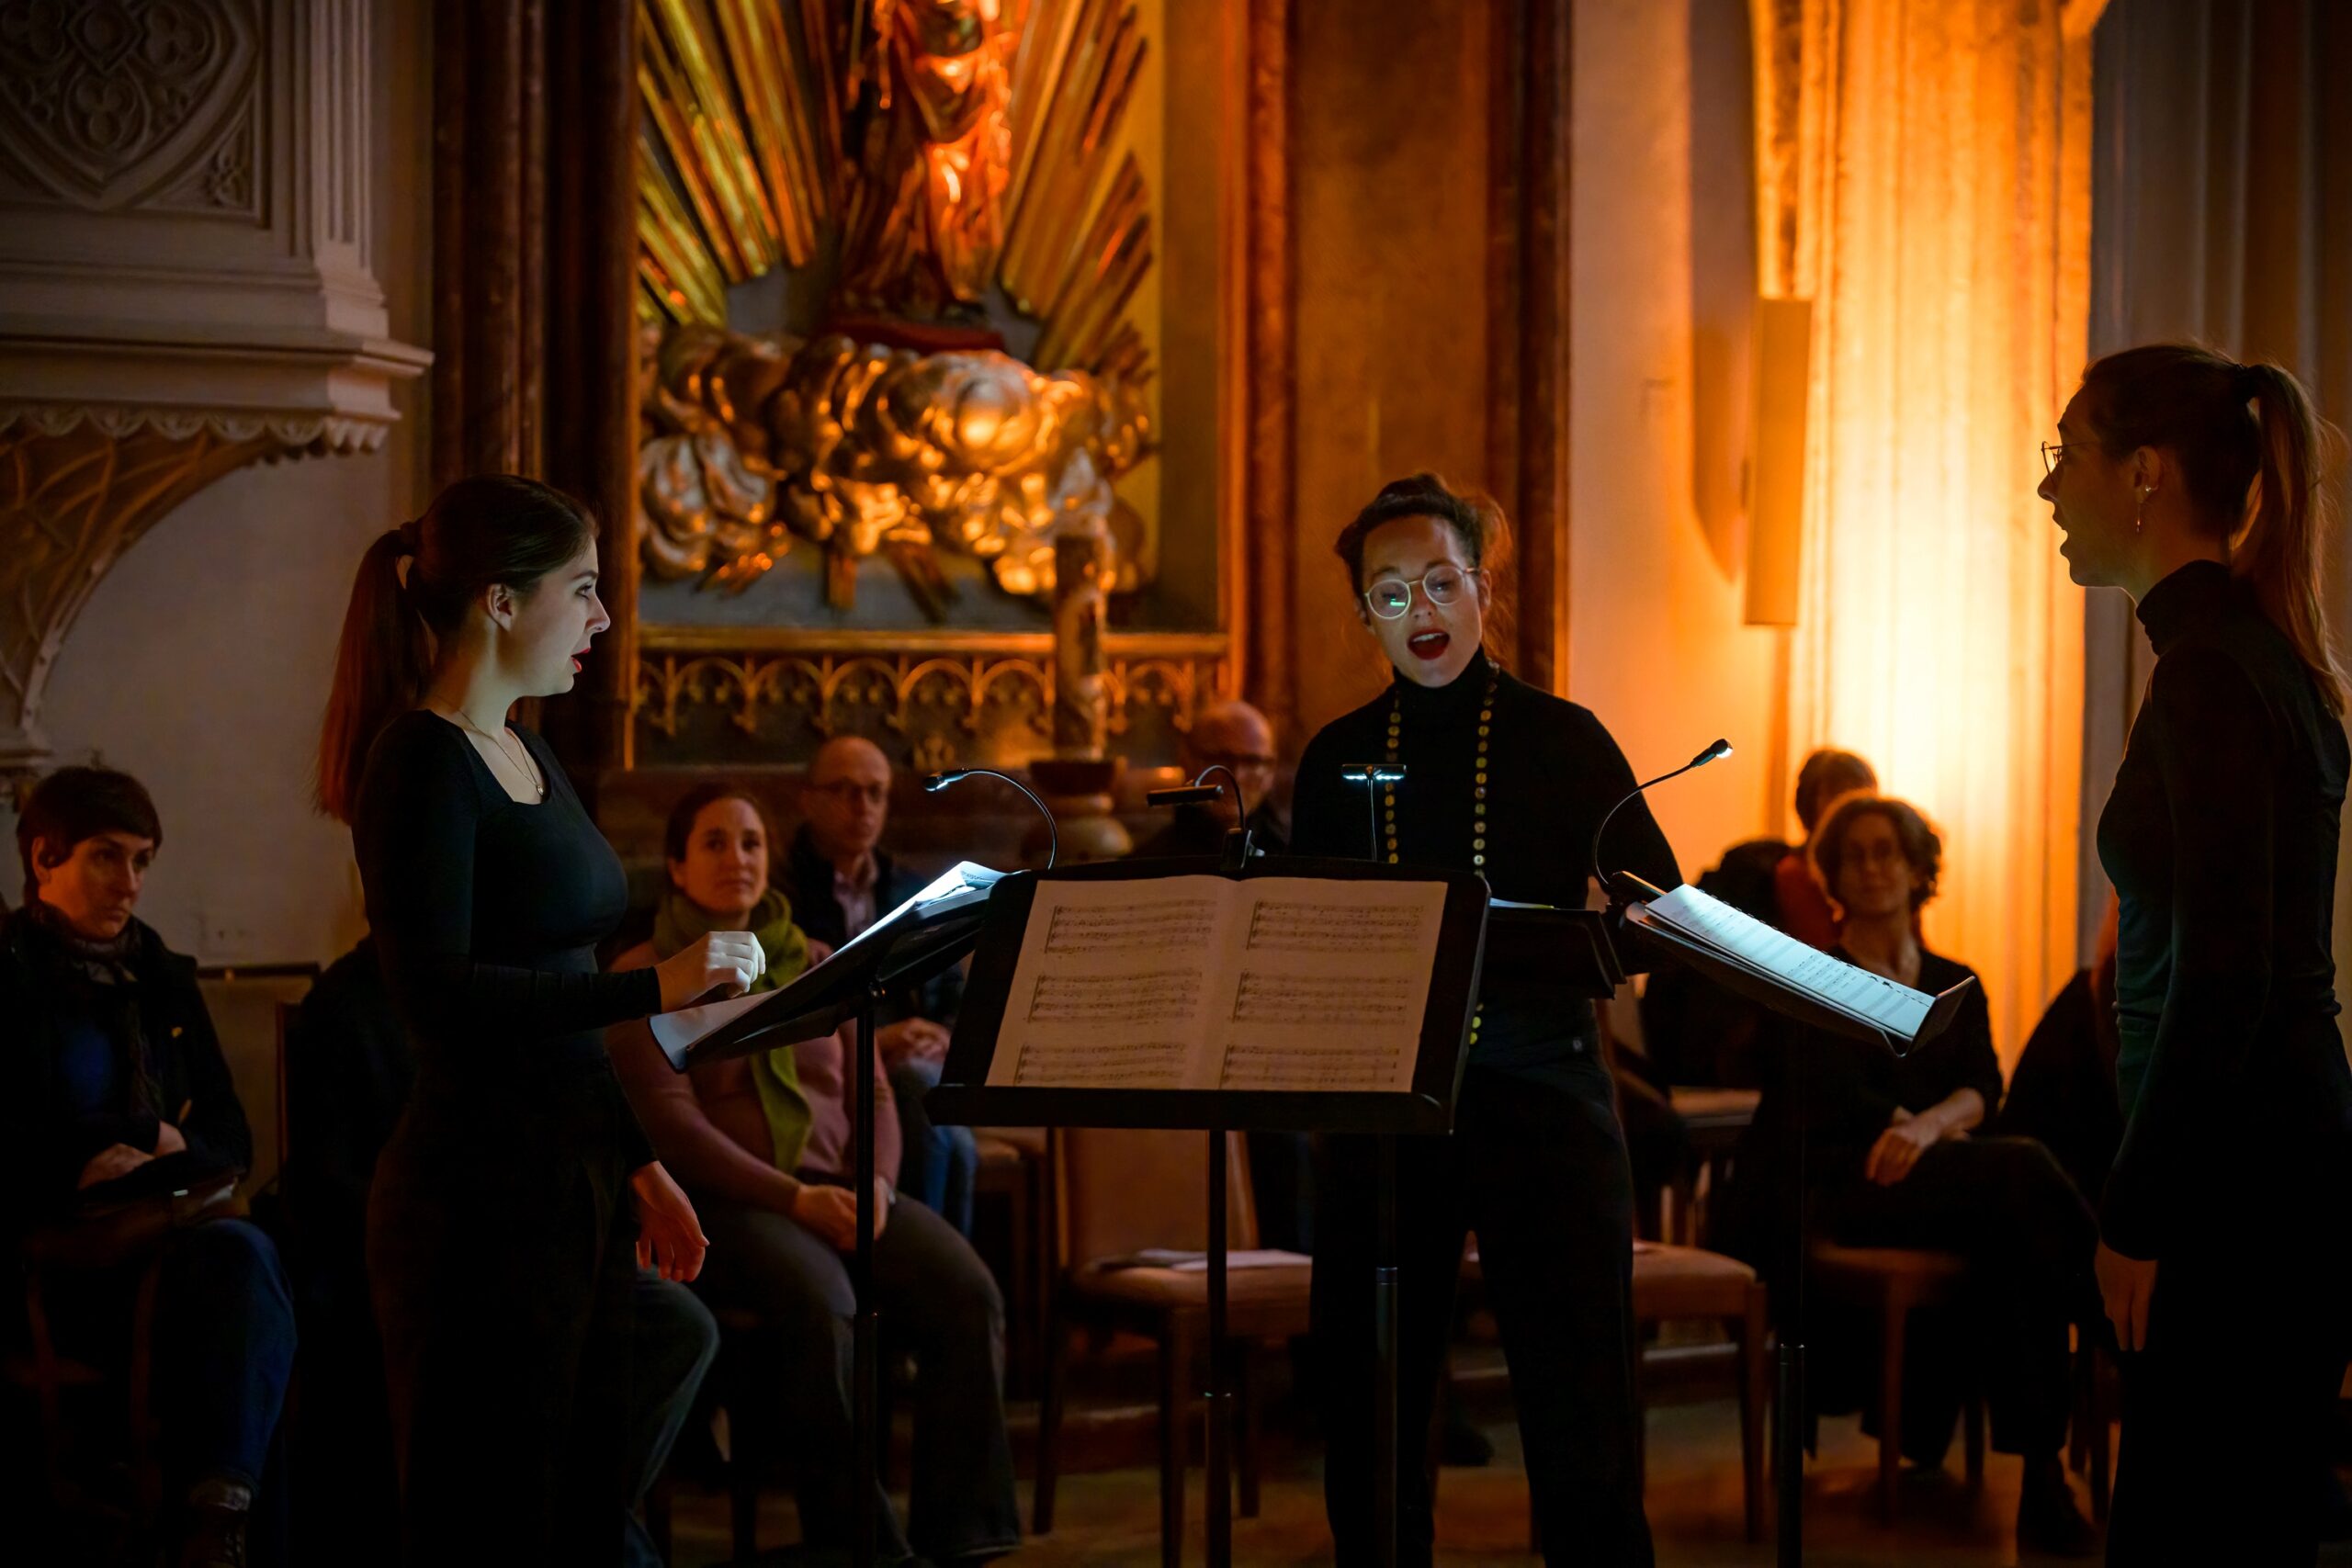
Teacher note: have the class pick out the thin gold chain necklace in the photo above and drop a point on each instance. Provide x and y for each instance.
(537, 779)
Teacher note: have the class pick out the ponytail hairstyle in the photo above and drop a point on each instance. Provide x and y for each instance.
(1475, 518)
(2253, 475)
(415, 586)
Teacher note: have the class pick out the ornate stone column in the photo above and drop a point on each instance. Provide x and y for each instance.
(185, 283)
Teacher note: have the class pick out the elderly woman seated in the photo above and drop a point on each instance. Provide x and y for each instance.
(114, 1098)
(1891, 1158)
(764, 1143)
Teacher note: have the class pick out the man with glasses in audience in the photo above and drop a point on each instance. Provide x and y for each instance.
(1237, 736)
(841, 881)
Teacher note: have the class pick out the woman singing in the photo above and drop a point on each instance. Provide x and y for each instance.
(2190, 482)
(1510, 781)
(517, 1193)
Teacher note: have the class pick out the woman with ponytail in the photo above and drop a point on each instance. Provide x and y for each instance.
(513, 1203)
(2193, 484)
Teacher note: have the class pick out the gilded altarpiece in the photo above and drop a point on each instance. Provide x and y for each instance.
(942, 336)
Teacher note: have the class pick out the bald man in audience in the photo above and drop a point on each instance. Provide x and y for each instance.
(841, 881)
(1234, 734)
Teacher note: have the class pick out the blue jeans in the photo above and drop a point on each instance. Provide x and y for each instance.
(224, 1353)
(941, 1166)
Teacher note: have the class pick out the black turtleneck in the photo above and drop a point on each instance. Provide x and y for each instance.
(2221, 840)
(1552, 772)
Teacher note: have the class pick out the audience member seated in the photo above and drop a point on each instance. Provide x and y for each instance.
(2062, 1091)
(348, 1068)
(763, 1144)
(841, 881)
(1237, 736)
(1889, 1160)
(116, 1097)
(1804, 911)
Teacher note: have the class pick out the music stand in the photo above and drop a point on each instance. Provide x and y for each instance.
(975, 1089)
(1743, 975)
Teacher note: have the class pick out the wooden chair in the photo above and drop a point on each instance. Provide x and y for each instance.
(1891, 1281)
(2096, 1405)
(1016, 1170)
(1119, 1192)
(1681, 1284)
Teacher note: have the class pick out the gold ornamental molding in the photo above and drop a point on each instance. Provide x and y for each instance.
(944, 700)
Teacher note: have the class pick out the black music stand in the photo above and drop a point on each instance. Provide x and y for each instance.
(906, 947)
(1467, 941)
(1631, 898)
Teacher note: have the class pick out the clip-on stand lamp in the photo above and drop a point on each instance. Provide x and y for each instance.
(1385, 1298)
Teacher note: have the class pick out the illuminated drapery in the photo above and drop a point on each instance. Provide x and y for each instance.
(1923, 173)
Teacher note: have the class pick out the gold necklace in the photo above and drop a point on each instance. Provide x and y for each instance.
(1478, 791)
(537, 781)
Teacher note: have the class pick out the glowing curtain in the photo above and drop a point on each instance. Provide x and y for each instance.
(1923, 175)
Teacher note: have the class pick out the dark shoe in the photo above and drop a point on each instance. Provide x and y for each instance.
(2049, 1523)
(213, 1538)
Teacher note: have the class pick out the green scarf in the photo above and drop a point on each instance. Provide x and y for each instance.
(677, 924)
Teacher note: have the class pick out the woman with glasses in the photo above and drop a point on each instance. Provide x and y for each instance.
(1892, 1157)
(1510, 781)
(2193, 483)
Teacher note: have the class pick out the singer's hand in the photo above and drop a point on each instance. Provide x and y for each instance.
(727, 961)
(667, 1231)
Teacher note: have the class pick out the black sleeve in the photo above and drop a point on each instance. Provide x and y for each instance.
(2216, 757)
(418, 812)
(218, 1134)
(1319, 820)
(1965, 1055)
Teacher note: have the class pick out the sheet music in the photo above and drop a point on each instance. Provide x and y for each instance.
(673, 1031)
(1872, 998)
(1202, 982)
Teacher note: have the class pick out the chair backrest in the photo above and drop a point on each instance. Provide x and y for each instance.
(246, 1003)
(1121, 1189)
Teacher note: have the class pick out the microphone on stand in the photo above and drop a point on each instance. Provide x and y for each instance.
(1200, 792)
(1719, 749)
(938, 781)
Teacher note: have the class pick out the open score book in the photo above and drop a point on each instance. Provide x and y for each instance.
(1270, 983)
(1905, 1016)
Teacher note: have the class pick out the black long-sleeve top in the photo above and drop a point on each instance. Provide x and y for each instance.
(486, 912)
(1848, 1090)
(1554, 772)
(2221, 840)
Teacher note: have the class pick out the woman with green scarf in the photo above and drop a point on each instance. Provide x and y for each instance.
(763, 1146)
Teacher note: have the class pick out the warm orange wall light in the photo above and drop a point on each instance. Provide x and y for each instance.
(1923, 173)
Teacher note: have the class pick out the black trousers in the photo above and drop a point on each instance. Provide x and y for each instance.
(501, 1256)
(1539, 1172)
(2226, 1413)
(2005, 1205)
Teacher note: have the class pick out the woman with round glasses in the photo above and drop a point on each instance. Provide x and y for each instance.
(1510, 781)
